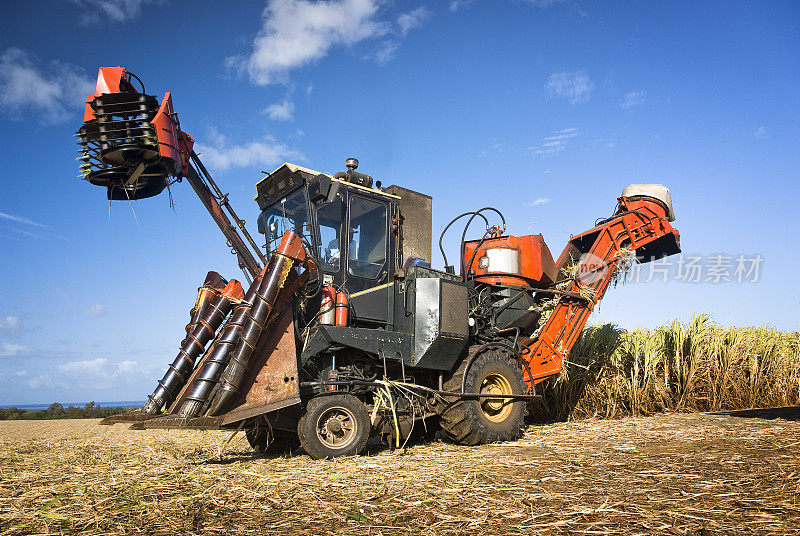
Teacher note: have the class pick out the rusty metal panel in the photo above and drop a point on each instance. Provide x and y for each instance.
(273, 381)
(131, 416)
(247, 411)
(416, 210)
(174, 421)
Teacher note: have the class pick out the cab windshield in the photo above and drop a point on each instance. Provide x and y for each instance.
(290, 213)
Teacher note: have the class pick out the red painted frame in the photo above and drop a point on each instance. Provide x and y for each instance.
(637, 223)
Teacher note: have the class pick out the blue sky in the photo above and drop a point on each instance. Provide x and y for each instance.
(544, 109)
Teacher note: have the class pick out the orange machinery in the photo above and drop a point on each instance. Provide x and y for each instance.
(582, 273)
(313, 352)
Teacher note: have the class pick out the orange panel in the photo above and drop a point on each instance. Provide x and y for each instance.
(108, 79)
(88, 112)
(536, 266)
(167, 130)
(637, 224)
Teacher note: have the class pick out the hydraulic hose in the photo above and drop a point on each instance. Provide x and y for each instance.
(441, 236)
(464, 237)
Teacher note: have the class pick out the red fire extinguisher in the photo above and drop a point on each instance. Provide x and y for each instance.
(341, 309)
(327, 309)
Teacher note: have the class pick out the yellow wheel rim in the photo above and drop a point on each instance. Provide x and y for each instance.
(336, 427)
(496, 409)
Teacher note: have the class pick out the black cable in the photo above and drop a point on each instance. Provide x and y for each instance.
(502, 218)
(480, 243)
(441, 236)
(464, 273)
(137, 78)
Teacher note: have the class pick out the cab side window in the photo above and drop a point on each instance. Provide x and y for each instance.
(329, 218)
(367, 253)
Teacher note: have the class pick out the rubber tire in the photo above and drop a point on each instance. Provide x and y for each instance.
(281, 443)
(306, 427)
(463, 421)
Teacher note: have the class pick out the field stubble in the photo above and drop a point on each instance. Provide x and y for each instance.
(667, 474)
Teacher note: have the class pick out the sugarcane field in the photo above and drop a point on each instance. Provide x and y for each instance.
(379, 267)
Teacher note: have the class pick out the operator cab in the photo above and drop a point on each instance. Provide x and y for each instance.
(360, 235)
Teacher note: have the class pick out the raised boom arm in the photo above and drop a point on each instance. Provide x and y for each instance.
(641, 223)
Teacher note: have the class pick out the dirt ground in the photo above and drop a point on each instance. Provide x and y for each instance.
(668, 474)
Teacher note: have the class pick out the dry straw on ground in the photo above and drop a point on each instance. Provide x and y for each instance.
(694, 474)
(668, 474)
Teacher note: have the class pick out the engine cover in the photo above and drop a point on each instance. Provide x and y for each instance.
(511, 261)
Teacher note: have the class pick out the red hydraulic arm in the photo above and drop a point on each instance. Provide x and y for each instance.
(641, 224)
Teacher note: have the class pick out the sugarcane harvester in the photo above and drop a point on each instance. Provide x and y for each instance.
(345, 330)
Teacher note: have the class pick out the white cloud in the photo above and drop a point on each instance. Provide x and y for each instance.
(296, 32)
(544, 3)
(8, 349)
(54, 92)
(633, 98)
(42, 382)
(554, 143)
(95, 310)
(280, 111)
(10, 325)
(127, 367)
(84, 374)
(20, 219)
(576, 87)
(98, 11)
(455, 5)
(538, 201)
(90, 367)
(761, 133)
(413, 19)
(497, 147)
(223, 155)
(100, 369)
(21, 373)
(385, 52)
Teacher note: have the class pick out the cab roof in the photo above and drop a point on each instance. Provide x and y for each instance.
(288, 176)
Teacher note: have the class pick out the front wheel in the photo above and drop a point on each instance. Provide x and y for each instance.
(269, 442)
(333, 426)
(484, 420)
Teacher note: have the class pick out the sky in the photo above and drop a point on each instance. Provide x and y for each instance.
(545, 109)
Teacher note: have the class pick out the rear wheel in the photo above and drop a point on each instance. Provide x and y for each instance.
(484, 420)
(272, 442)
(333, 426)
